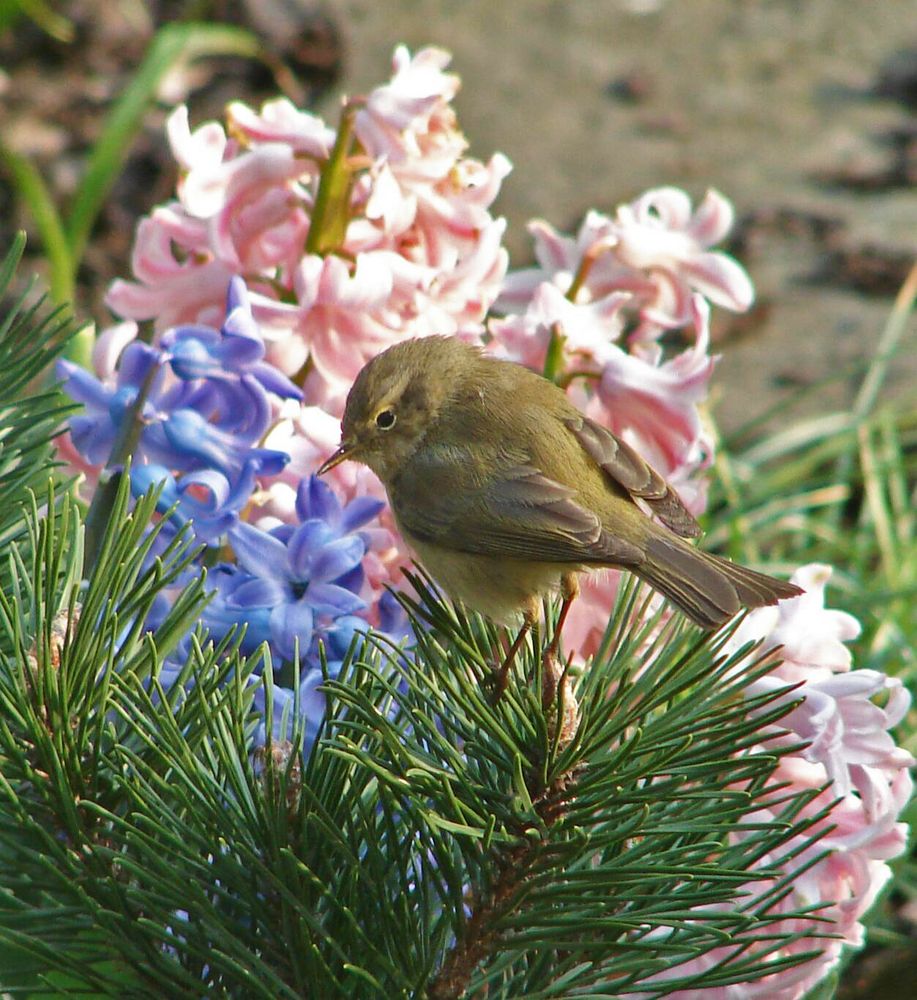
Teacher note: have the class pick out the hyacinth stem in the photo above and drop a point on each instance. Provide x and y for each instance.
(554, 358)
(331, 214)
(104, 497)
(582, 273)
(554, 363)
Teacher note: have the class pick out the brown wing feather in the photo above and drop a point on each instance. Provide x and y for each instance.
(628, 470)
(519, 514)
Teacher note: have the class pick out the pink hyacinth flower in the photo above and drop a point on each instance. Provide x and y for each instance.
(655, 248)
(655, 407)
(659, 233)
(847, 731)
(280, 121)
(172, 289)
(851, 761)
(588, 331)
(336, 315)
(408, 122)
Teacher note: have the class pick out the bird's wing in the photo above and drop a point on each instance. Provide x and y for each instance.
(518, 513)
(629, 471)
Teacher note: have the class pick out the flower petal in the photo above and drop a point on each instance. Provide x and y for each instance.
(329, 599)
(337, 558)
(260, 553)
(316, 499)
(359, 511)
(291, 622)
(304, 543)
(257, 593)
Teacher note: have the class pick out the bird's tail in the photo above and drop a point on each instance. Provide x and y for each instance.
(708, 589)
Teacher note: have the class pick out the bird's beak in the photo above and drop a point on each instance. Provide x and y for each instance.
(344, 452)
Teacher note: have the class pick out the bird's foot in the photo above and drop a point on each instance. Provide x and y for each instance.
(501, 678)
(557, 697)
(501, 675)
(553, 672)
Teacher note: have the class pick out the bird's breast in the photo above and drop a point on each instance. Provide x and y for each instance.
(497, 587)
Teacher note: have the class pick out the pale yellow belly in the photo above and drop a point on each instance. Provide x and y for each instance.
(497, 587)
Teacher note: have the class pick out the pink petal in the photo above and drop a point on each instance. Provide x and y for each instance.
(712, 219)
(205, 147)
(281, 121)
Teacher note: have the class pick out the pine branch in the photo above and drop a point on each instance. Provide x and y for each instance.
(481, 937)
(567, 831)
(31, 336)
(436, 841)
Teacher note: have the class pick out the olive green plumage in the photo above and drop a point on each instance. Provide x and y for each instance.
(503, 487)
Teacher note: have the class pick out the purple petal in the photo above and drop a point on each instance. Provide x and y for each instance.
(275, 381)
(192, 437)
(258, 593)
(290, 622)
(190, 358)
(92, 438)
(340, 635)
(393, 619)
(208, 529)
(260, 553)
(181, 395)
(352, 581)
(238, 406)
(315, 498)
(360, 511)
(312, 701)
(81, 386)
(307, 539)
(257, 407)
(220, 616)
(268, 462)
(204, 396)
(136, 361)
(338, 558)
(242, 345)
(190, 331)
(237, 295)
(213, 484)
(283, 532)
(242, 338)
(123, 400)
(145, 476)
(243, 486)
(327, 598)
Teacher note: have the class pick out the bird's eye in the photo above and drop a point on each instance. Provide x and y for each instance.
(385, 420)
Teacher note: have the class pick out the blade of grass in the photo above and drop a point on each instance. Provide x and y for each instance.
(875, 375)
(39, 13)
(171, 45)
(34, 192)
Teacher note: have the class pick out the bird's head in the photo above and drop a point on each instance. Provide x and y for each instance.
(396, 398)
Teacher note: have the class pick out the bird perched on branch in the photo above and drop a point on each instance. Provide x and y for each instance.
(507, 492)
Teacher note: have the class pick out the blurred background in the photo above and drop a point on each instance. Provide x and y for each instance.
(801, 113)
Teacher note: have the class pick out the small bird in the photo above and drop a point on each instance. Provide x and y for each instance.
(506, 491)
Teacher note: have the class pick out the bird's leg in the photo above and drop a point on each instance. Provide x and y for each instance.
(551, 670)
(529, 618)
(569, 591)
(557, 696)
